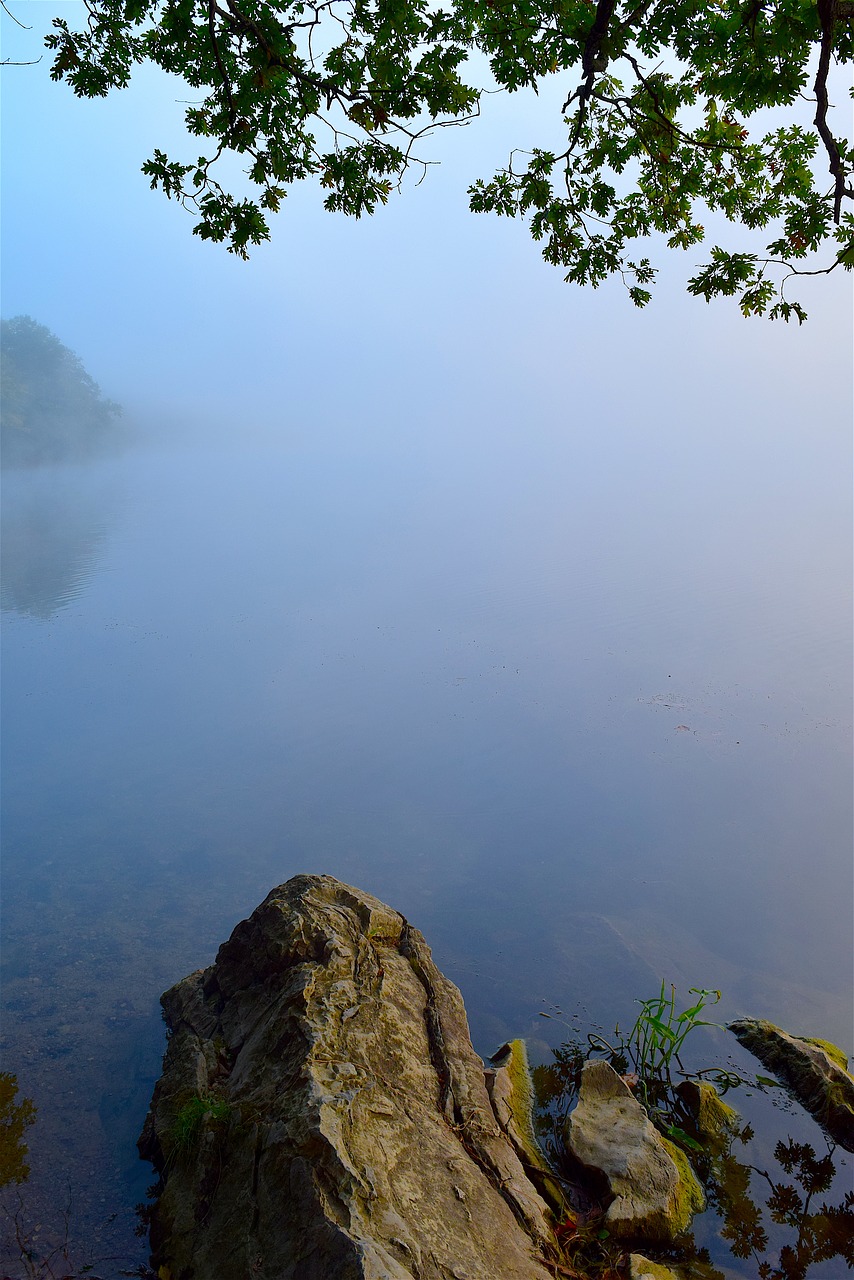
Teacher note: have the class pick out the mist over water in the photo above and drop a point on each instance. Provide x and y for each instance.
(584, 732)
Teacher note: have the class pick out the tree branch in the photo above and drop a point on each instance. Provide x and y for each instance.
(22, 25)
(226, 83)
(827, 13)
(591, 62)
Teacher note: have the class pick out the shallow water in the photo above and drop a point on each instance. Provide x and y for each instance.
(586, 723)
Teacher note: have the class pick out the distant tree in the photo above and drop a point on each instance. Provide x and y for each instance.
(51, 410)
(658, 95)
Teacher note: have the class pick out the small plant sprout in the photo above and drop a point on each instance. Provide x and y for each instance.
(196, 1114)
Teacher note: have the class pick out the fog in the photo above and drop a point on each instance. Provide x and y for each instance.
(525, 610)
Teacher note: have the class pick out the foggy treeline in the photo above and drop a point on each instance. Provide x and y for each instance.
(52, 410)
(53, 518)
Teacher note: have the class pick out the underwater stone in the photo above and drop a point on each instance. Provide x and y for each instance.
(814, 1071)
(344, 1126)
(655, 1191)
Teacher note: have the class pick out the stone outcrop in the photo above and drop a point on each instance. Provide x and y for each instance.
(322, 1112)
(814, 1071)
(655, 1192)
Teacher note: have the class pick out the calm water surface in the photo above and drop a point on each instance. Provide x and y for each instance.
(581, 711)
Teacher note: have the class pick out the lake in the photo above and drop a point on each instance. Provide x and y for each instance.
(578, 704)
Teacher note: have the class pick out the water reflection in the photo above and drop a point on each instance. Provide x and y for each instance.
(276, 663)
(53, 528)
(16, 1116)
(808, 1231)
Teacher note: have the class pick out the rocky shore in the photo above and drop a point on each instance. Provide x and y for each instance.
(322, 1115)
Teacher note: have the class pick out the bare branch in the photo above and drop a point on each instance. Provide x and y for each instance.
(22, 25)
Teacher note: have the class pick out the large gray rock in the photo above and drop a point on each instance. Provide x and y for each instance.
(323, 1116)
(815, 1071)
(655, 1192)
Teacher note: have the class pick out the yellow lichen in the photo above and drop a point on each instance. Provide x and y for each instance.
(833, 1051)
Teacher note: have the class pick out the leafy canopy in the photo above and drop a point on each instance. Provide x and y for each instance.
(664, 115)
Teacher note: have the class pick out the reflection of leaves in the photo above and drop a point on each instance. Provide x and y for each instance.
(556, 1087)
(785, 1205)
(742, 1219)
(834, 1227)
(15, 1117)
(799, 1158)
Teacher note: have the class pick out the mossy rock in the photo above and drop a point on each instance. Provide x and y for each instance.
(655, 1191)
(511, 1091)
(715, 1121)
(832, 1050)
(690, 1198)
(811, 1069)
(642, 1268)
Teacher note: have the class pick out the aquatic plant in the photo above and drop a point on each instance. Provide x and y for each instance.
(657, 1038)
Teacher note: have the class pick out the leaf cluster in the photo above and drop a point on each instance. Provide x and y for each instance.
(662, 118)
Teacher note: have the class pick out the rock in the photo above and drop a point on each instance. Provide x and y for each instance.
(716, 1122)
(322, 1113)
(511, 1093)
(641, 1268)
(655, 1192)
(814, 1071)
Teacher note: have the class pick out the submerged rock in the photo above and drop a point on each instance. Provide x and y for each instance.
(322, 1112)
(814, 1071)
(655, 1192)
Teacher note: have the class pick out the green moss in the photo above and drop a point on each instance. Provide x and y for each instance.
(522, 1094)
(838, 1101)
(715, 1123)
(833, 1051)
(689, 1195)
(642, 1268)
(522, 1099)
